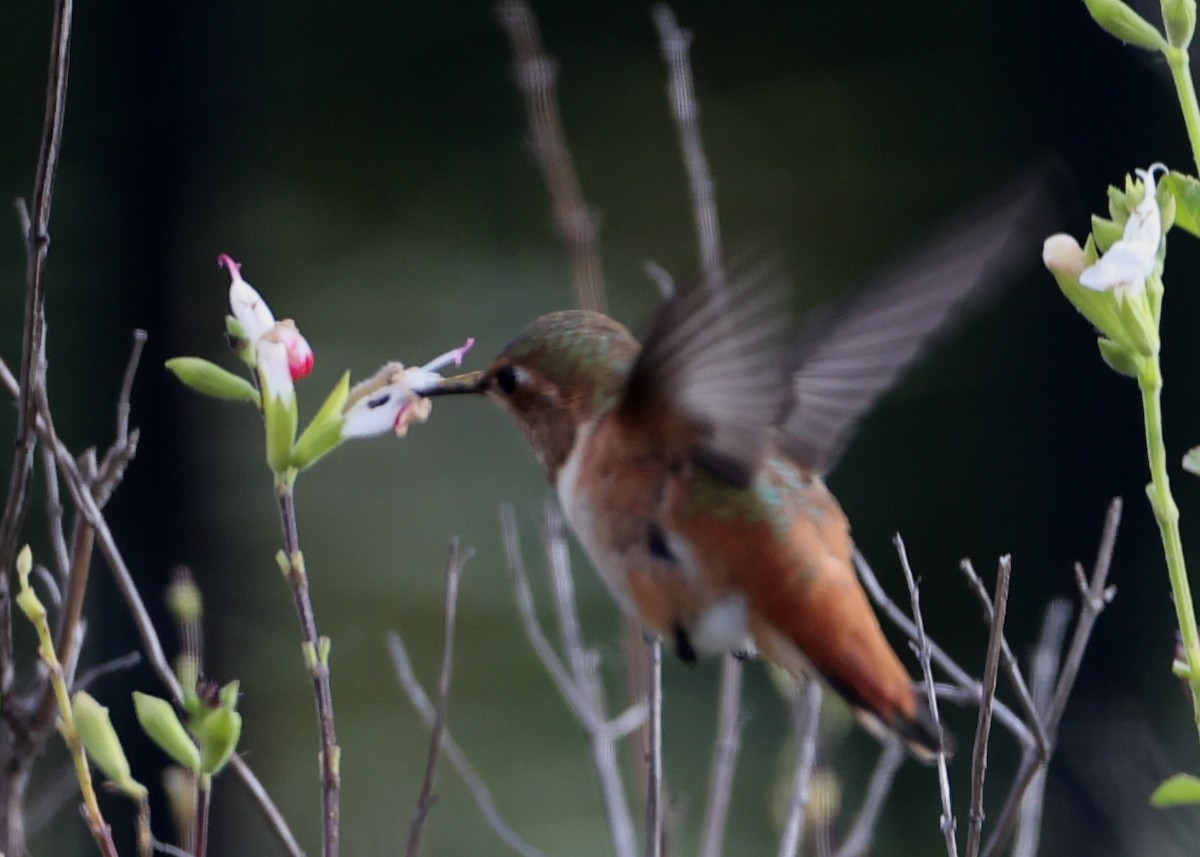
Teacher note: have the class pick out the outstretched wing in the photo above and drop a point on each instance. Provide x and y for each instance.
(846, 362)
(715, 357)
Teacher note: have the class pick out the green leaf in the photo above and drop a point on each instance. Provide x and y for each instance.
(1185, 190)
(281, 418)
(96, 732)
(211, 380)
(324, 433)
(161, 723)
(1120, 358)
(1191, 461)
(1179, 790)
(1127, 25)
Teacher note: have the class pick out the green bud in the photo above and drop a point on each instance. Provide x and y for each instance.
(218, 733)
(1106, 232)
(324, 433)
(161, 723)
(98, 737)
(1178, 790)
(1191, 461)
(187, 669)
(1180, 19)
(183, 598)
(281, 417)
(211, 380)
(1136, 320)
(1119, 20)
(24, 565)
(1120, 358)
(1184, 191)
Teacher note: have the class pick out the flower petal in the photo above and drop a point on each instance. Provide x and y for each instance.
(247, 304)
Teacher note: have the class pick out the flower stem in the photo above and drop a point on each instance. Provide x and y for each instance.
(316, 661)
(1167, 514)
(1181, 73)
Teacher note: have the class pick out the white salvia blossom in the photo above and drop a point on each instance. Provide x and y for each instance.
(1130, 261)
(391, 400)
(282, 354)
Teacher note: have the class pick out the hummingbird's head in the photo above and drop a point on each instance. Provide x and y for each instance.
(563, 371)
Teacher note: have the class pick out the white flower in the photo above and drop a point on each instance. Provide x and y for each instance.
(391, 399)
(1128, 262)
(282, 354)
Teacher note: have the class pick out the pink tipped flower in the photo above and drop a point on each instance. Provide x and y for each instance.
(247, 304)
(282, 354)
(391, 400)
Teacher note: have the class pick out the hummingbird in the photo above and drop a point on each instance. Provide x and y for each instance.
(691, 465)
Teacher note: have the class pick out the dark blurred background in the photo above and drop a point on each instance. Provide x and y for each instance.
(368, 164)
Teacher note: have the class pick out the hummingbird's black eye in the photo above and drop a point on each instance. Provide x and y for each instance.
(506, 379)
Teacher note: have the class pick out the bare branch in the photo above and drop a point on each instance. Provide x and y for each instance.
(1033, 717)
(576, 225)
(1043, 670)
(88, 677)
(654, 751)
(862, 831)
(983, 729)
(726, 748)
(1095, 595)
(806, 708)
(54, 517)
(675, 46)
(135, 357)
(924, 650)
(585, 668)
(425, 799)
(474, 783)
(969, 690)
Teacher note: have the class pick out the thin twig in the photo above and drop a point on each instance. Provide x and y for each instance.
(806, 716)
(862, 831)
(83, 501)
(585, 667)
(533, 629)
(90, 676)
(425, 799)
(474, 783)
(983, 728)
(576, 225)
(1043, 670)
(135, 357)
(316, 657)
(1094, 595)
(923, 655)
(675, 45)
(654, 751)
(969, 690)
(54, 517)
(726, 748)
(33, 330)
(1033, 717)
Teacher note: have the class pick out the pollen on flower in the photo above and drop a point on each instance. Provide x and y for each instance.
(413, 411)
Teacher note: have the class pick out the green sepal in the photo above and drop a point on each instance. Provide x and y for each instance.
(96, 733)
(281, 418)
(324, 433)
(1185, 191)
(1099, 308)
(239, 342)
(1120, 358)
(211, 380)
(1191, 460)
(1119, 20)
(1118, 205)
(218, 732)
(1140, 328)
(161, 723)
(1179, 17)
(1177, 790)
(1106, 232)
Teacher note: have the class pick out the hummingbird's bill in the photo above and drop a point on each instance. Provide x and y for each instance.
(468, 382)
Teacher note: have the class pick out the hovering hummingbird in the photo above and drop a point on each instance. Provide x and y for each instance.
(691, 466)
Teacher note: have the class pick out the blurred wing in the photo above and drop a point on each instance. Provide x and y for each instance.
(715, 356)
(845, 363)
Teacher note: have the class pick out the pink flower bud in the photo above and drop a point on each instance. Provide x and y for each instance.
(299, 353)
